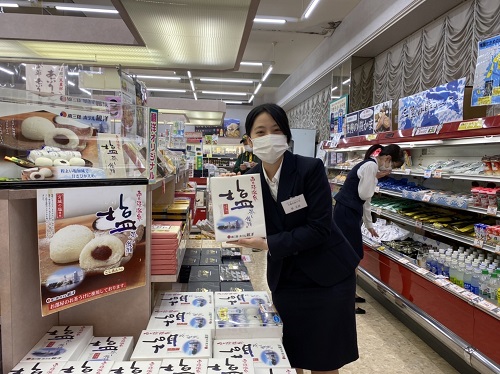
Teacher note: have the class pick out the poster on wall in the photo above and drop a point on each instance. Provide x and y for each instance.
(374, 119)
(46, 78)
(232, 128)
(91, 243)
(432, 107)
(338, 110)
(383, 116)
(209, 130)
(486, 87)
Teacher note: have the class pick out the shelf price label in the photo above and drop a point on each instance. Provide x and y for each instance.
(378, 211)
(418, 224)
(437, 173)
(427, 197)
(427, 173)
(478, 243)
(497, 248)
(377, 189)
(492, 210)
(407, 171)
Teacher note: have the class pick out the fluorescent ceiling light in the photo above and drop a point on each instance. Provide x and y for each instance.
(226, 80)
(86, 91)
(24, 78)
(71, 83)
(279, 21)
(189, 74)
(335, 97)
(73, 73)
(269, 69)
(165, 90)
(310, 8)
(249, 63)
(334, 88)
(224, 93)
(346, 81)
(251, 98)
(232, 102)
(192, 85)
(85, 9)
(158, 77)
(7, 71)
(9, 5)
(257, 88)
(195, 96)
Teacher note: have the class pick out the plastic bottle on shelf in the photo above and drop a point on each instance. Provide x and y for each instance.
(428, 260)
(483, 283)
(446, 267)
(475, 282)
(435, 263)
(461, 249)
(460, 274)
(440, 264)
(453, 270)
(493, 288)
(468, 277)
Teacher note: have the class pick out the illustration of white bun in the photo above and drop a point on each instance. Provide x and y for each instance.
(67, 243)
(60, 120)
(43, 161)
(61, 162)
(35, 128)
(46, 172)
(102, 252)
(37, 176)
(76, 161)
(63, 138)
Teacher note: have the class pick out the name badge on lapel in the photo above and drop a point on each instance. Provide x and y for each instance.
(294, 203)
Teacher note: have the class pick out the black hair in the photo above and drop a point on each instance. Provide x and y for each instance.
(392, 150)
(275, 111)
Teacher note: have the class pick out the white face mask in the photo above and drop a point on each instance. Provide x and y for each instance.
(386, 166)
(269, 148)
(248, 148)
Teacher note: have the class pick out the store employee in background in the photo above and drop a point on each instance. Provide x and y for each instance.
(247, 159)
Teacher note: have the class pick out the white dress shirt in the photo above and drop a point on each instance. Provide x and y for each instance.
(274, 182)
(367, 175)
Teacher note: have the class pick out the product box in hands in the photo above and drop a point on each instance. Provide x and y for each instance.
(238, 208)
(136, 367)
(61, 343)
(87, 367)
(185, 300)
(233, 365)
(38, 367)
(184, 365)
(159, 345)
(174, 319)
(110, 348)
(266, 353)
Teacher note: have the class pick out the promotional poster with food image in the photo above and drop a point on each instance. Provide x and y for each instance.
(91, 243)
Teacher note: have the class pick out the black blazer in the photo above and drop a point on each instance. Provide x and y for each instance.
(309, 235)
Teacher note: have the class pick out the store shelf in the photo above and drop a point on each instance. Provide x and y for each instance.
(473, 242)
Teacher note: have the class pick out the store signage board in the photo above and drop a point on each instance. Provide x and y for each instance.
(486, 86)
(432, 107)
(471, 125)
(91, 243)
(370, 121)
(111, 157)
(46, 78)
(238, 207)
(338, 110)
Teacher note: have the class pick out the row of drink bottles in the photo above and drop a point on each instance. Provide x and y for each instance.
(470, 269)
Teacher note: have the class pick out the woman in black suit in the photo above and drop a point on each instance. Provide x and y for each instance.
(310, 264)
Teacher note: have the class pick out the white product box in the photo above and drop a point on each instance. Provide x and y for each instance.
(109, 348)
(38, 367)
(267, 353)
(275, 371)
(172, 319)
(61, 343)
(239, 299)
(135, 367)
(184, 300)
(158, 344)
(87, 367)
(241, 365)
(247, 322)
(184, 366)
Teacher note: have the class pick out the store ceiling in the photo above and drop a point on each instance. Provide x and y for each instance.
(169, 37)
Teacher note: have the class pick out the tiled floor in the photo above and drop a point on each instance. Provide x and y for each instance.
(385, 344)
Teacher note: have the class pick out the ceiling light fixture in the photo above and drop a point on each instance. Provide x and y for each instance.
(278, 21)
(346, 81)
(334, 88)
(251, 99)
(257, 89)
(192, 85)
(84, 9)
(86, 91)
(224, 93)
(336, 97)
(7, 71)
(195, 96)
(249, 63)
(165, 90)
(9, 5)
(310, 8)
(158, 77)
(269, 70)
(189, 74)
(232, 102)
(226, 80)
(23, 78)
(73, 73)
(71, 83)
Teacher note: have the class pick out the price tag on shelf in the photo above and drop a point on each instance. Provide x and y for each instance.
(377, 189)
(497, 248)
(492, 210)
(478, 243)
(456, 288)
(378, 211)
(427, 197)
(422, 271)
(437, 174)
(486, 305)
(407, 171)
(469, 295)
(403, 260)
(427, 173)
(418, 224)
(442, 282)
(381, 248)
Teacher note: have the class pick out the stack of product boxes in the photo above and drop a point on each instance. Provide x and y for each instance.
(165, 247)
